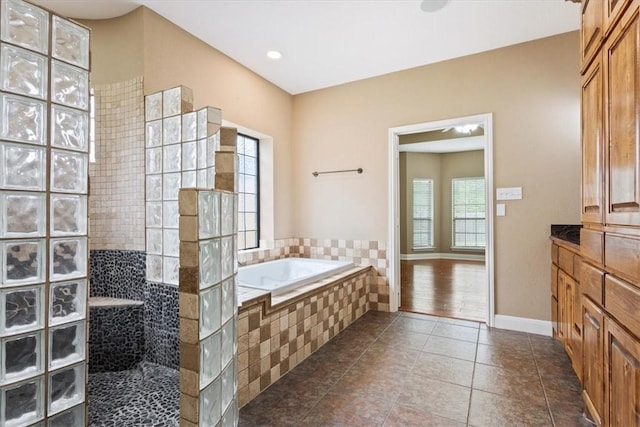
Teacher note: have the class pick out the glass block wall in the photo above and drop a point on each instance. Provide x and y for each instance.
(44, 101)
(180, 153)
(208, 308)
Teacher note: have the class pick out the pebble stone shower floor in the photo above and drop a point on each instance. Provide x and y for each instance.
(146, 396)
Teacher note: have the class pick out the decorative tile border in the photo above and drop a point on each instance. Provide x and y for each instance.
(269, 345)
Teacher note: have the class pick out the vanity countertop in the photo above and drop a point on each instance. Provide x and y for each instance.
(568, 232)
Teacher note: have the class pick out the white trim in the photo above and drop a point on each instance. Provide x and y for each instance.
(523, 324)
(444, 255)
(394, 202)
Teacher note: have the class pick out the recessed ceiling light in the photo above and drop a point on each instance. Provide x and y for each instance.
(433, 5)
(274, 54)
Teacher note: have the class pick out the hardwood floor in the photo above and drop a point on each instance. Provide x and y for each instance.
(443, 287)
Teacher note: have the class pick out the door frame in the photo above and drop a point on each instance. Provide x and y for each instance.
(394, 202)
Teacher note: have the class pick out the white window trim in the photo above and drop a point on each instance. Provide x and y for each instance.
(453, 218)
(413, 246)
(266, 179)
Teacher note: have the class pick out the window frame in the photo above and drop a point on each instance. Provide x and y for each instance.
(430, 244)
(241, 227)
(454, 243)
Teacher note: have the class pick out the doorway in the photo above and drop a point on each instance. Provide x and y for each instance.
(441, 218)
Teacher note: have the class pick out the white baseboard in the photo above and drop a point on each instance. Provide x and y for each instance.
(522, 324)
(432, 255)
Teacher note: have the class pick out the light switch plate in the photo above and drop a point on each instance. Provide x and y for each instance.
(501, 209)
(509, 193)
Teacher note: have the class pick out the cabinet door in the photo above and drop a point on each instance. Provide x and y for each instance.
(562, 306)
(622, 94)
(613, 10)
(593, 144)
(573, 333)
(592, 26)
(622, 362)
(593, 359)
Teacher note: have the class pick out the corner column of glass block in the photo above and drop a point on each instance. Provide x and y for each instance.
(208, 311)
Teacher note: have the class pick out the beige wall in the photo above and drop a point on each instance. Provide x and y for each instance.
(442, 168)
(533, 91)
(173, 57)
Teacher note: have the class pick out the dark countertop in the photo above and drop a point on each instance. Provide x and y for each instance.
(568, 232)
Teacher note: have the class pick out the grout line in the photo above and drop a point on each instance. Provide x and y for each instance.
(473, 376)
(544, 390)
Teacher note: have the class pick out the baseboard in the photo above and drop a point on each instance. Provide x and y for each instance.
(432, 255)
(522, 324)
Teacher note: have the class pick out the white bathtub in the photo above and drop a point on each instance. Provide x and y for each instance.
(283, 275)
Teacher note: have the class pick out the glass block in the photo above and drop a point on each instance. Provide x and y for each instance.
(228, 215)
(154, 268)
(229, 303)
(171, 130)
(23, 214)
(153, 160)
(74, 417)
(231, 417)
(66, 388)
(228, 379)
(69, 85)
(209, 214)
(171, 216)
(68, 215)
(22, 357)
(201, 178)
(154, 241)
(202, 123)
(227, 257)
(25, 25)
(69, 128)
(210, 405)
(153, 135)
(228, 342)
(66, 345)
(70, 42)
(171, 158)
(212, 147)
(154, 214)
(189, 156)
(23, 262)
(209, 311)
(209, 253)
(189, 179)
(189, 126)
(210, 351)
(23, 166)
(170, 185)
(170, 268)
(23, 72)
(154, 187)
(202, 154)
(68, 258)
(23, 119)
(170, 242)
(22, 403)
(176, 101)
(211, 177)
(153, 106)
(21, 310)
(68, 301)
(69, 172)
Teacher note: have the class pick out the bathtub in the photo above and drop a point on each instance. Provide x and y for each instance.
(283, 275)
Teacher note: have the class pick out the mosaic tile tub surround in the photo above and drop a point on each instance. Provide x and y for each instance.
(44, 100)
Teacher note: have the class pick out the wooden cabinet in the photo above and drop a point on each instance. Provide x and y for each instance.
(593, 359)
(613, 10)
(622, 119)
(592, 29)
(622, 377)
(593, 152)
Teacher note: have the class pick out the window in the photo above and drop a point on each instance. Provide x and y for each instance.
(422, 213)
(248, 193)
(468, 216)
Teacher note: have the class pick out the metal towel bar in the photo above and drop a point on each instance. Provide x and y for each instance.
(359, 170)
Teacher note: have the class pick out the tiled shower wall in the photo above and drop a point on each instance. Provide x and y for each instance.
(116, 202)
(360, 252)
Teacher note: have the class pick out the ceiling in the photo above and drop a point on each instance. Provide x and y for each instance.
(329, 42)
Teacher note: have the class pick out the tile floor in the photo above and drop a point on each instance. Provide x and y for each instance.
(403, 369)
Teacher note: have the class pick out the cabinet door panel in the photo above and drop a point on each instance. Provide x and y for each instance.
(613, 9)
(592, 144)
(593, 358)
(623, 111)
(592, 29)
(623, 380)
